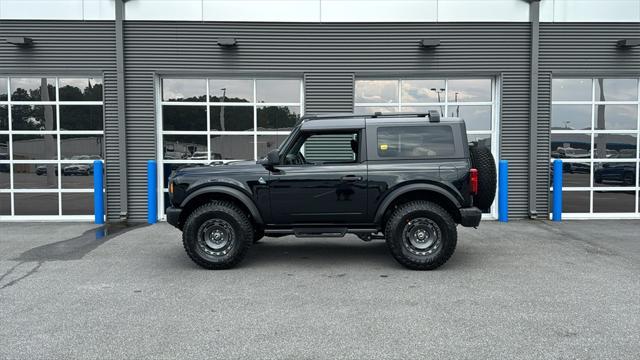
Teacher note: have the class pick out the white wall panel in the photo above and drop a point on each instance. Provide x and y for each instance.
(484, 10)
(41, 9)
(546, 10)
(379, 10)
(163, 10)
(99, 10)
(261, 10)
(596, 10)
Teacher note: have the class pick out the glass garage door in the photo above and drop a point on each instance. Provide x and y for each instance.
(474, 100)
(595, 130)
(51, 131)
(204, 120)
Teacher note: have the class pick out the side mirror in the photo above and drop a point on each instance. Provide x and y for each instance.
(272, 159)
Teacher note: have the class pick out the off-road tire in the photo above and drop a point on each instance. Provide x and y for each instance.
(400, 220)
(234, 221)
(483, 161)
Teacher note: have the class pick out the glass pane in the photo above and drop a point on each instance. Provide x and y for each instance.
(571, 117)
(415, 141)
(616, 89)
(570, 146)
(614, 174)
(466, 90)
(184, 89)
(232, 147)
(3, 89)
(571, 89)
(268, 143)
(615, 146)
(278, 117)
(5, 204)
(35, 147)
(77, 203)
(36, 203)
(81, 147)
(30, 89)
(77, 176)
(231, 90)
(575, 174)
(5, 180)
(616, 117)
(476, 117)
(482, 140)
(80, 89)
(423, 91)
(35, 176)
(326, 148)
(4, 117)
(574, 201)
(33, 117)
(422, 109)
(610, 201)
(376, 91)
(278, 91)
(4, 147)
(184, 147)
(168, 168)
(81, 117)
(231, 118)
(184, 118)
(370, 110)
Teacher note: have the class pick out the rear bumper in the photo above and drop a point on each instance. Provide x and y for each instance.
(470, 217)
(173, 216)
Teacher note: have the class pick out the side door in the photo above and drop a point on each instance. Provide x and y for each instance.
(322, 180)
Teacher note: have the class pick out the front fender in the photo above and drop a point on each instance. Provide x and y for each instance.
(235, 193)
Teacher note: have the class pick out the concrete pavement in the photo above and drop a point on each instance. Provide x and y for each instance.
(522, 290)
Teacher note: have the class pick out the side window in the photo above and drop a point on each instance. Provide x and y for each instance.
(334, 148)
(415, 142)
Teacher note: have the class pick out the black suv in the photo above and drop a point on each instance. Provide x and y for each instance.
(406, 178)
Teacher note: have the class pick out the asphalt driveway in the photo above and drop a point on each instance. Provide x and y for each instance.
(526, 290)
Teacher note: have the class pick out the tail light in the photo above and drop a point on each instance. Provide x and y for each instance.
(473, 177)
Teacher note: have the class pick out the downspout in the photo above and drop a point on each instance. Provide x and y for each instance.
(122, 131)
(534, 17)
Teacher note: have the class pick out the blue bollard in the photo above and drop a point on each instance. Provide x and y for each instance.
(557, 190)
(152, 192)
(98, 193)
(503, 191)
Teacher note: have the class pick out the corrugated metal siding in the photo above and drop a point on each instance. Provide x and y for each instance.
(588, 47)
(328, 50)
(328, 92)
(61, 47)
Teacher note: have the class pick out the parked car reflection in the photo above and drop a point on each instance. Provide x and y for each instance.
(616, 173)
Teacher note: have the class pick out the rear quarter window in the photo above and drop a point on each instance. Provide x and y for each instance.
(417, 142)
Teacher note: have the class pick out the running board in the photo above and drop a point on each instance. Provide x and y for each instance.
(319, 232)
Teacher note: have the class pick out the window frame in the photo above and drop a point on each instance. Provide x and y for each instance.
(59, 162)
(592, 132)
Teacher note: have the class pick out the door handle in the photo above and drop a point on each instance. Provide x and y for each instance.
(351, 178)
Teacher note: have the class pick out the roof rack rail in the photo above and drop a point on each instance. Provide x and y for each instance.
(434, 115)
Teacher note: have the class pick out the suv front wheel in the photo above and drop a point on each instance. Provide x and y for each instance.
(217, 235)
(421, 235)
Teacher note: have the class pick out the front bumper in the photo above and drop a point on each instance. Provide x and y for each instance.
(173, 216)
(470, 217)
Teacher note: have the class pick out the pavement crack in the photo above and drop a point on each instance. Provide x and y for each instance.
(8, 272)
(16, 280)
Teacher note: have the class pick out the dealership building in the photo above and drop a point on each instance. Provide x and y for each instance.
(196, 81)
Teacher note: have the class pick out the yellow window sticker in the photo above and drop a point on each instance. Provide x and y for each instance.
(384, 147)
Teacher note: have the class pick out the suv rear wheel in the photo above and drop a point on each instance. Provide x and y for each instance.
(217, 235)
(421, 235)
